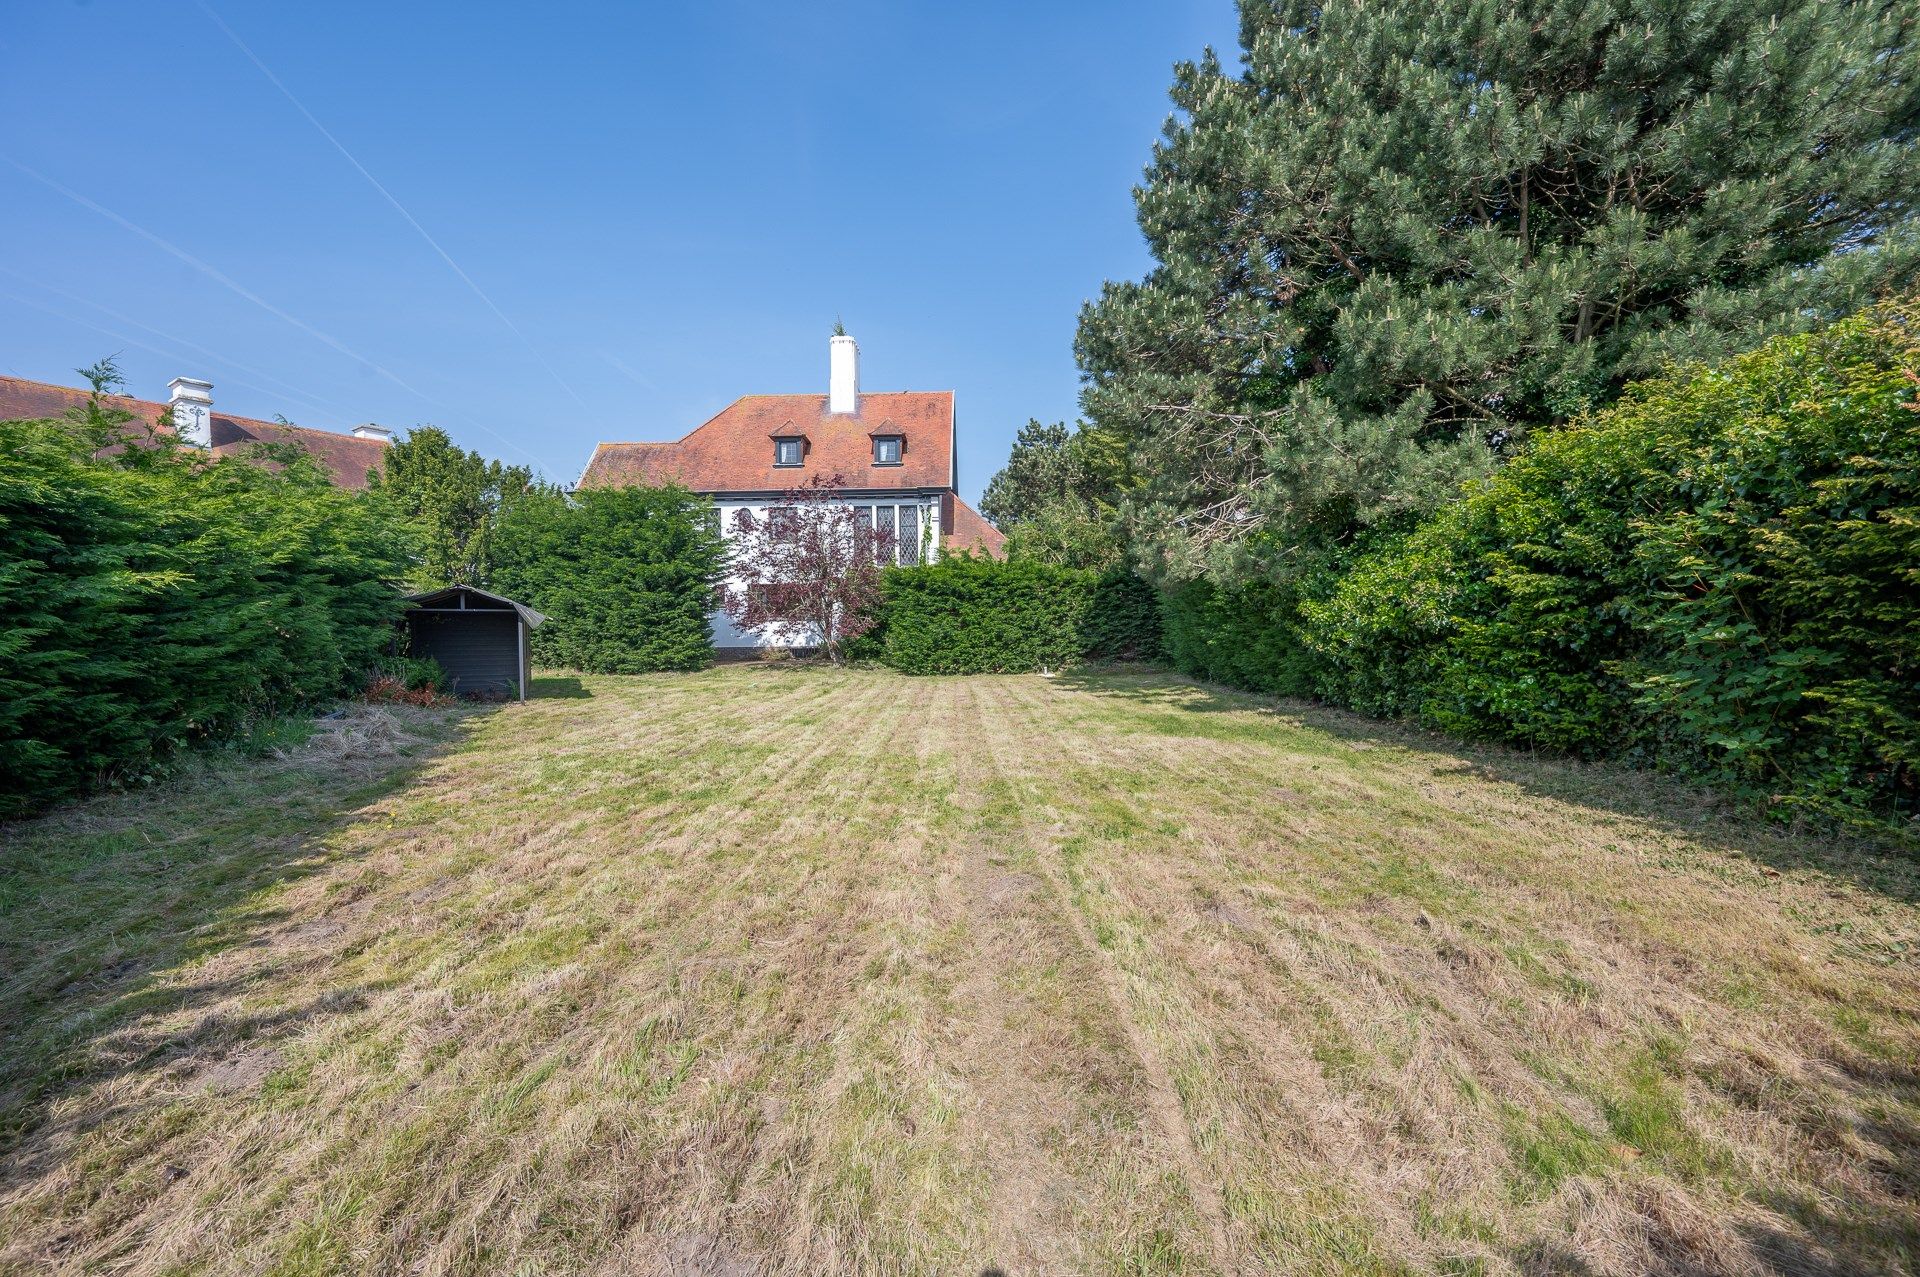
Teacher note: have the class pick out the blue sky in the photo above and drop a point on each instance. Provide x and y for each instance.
(668, 204)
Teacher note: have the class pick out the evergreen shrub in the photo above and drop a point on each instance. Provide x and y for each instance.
(1719, 575)
(969, 615)
(625, 576)
(156, 599)
(1245, 636)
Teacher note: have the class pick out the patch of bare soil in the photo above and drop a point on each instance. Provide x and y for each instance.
(239, 1072)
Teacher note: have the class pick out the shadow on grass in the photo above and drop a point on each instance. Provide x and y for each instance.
(101, 899)
(1660, 802)
(558, 687)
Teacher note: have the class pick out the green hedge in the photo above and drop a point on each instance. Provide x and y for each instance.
(1719, 575)
(155, 601)
(625, 576)
(1122, 620)
(967, 615)
(1245, 637)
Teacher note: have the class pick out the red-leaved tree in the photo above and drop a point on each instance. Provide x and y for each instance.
(813, 562)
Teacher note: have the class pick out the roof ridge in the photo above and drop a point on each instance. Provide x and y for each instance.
(294, 425)
(157, 404)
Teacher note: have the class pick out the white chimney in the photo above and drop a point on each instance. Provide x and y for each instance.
(192, 403)
(379, 434)
(843, 375)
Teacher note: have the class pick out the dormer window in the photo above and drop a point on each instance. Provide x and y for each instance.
(886, 450)
(788, 451)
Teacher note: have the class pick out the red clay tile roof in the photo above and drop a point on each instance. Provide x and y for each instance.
(966, 529)
(734, 451)
(345, 457)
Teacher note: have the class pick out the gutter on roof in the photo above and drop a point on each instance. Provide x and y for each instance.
(844, 494)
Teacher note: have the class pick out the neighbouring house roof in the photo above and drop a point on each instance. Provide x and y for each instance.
(441, 596)
(733, 452)
(345, 457)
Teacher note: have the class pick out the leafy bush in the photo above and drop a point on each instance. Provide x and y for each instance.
(1720, 574)
(966, 615)
(157, 599)
(625, 576)
(411, 673)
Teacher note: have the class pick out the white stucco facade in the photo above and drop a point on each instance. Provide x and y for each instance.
(894, 510)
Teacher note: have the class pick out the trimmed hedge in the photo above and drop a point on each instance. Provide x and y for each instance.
(1245, 638)
(625, 576)
(156, 600)
(1719, 575)
(1122, 621)
(966, 615)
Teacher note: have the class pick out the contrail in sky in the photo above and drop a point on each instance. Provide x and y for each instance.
(634, 373)
(285, 387)
(174, 250)
(152, 349)
(398, 207)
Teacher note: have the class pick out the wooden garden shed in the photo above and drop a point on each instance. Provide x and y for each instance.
(479, 639)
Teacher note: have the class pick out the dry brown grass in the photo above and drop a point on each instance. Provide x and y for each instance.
(777, 969)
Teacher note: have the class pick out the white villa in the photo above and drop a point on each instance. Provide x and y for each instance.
(895, 451)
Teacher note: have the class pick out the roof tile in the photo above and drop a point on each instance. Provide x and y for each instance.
(346, 457)
(732, 452)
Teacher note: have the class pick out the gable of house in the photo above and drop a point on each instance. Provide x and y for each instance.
(347, 458)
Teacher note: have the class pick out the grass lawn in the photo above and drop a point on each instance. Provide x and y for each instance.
(783, 969)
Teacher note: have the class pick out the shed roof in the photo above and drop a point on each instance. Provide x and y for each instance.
(431, 597)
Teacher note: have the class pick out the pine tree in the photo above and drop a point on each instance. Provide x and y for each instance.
(1057, 496)
(1040, 471)
(1405, 234)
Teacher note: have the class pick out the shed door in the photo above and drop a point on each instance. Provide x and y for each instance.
(479, 650)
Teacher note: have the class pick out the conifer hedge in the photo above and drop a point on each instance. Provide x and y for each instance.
(968, 615)
(155, 600)
(1719, 575)
(625, 576)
